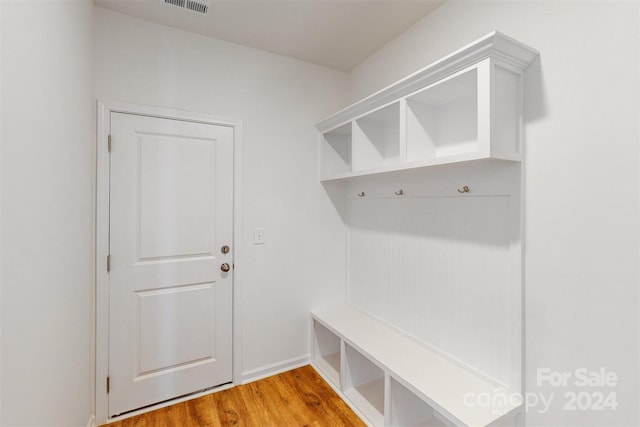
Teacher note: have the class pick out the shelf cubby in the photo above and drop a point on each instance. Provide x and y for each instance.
(408, 410)
(326, 352)
(364, 385)
(442, 120)
(376, 138)
(336, 150)
(465, 107)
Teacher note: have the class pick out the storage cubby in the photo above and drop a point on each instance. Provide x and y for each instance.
(465, 107)
(442, 120)
(375, 353)
(376, 138)
(364, 385)
(408, 410)
(326, 352)
(336, 150)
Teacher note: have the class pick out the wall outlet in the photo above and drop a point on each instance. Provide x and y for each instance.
(258, 236)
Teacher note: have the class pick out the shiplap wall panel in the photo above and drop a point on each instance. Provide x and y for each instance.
(439, 268)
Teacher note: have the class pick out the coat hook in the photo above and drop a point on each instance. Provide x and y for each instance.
(361, 194)
(399, 192)
(465, 189)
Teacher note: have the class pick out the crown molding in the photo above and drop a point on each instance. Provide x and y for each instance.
(493, 45)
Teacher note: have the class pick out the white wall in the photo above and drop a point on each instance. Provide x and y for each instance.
(279, 100)
(46, 164)
(581, 180)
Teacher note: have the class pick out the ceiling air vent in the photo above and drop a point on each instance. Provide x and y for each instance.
(198, 6)
(176, 2)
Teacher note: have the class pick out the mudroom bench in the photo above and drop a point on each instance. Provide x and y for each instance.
(391, 379)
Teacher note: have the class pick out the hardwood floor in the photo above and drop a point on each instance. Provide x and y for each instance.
(295, 398)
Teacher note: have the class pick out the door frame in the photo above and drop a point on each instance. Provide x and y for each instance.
(103, 126)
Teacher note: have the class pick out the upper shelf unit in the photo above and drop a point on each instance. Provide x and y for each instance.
(466, 106)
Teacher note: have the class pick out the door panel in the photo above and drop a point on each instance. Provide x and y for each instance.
(166, 343)
(170, 303)
(176, 196)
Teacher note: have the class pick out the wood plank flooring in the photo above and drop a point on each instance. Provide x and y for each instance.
(295, 398)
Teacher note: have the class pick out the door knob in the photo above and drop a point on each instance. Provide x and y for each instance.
(225, 267)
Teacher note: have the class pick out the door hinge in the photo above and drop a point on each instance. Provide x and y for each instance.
(108, 384)
(108, 263)
(109, 143)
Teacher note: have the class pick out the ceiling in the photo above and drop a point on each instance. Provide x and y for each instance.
(333, 33)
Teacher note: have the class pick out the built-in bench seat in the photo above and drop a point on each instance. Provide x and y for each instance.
(393, 380)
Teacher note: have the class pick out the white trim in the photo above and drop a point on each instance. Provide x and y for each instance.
(102, 240)
(275, 369)
(92, 421)
(103, 127)
(494, 45)
(0, 219)
(637, 213)
(237, 253)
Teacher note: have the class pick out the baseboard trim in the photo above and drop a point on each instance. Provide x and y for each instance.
(92, 421)
(274, 369)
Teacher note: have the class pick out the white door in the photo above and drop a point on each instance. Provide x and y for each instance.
(171, 213)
